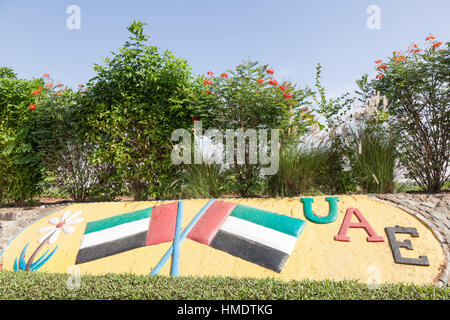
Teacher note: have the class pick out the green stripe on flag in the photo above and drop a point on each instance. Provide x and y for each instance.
(285, 224)
(117, 220)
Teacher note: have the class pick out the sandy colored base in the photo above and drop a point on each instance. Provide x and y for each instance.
(316, 256)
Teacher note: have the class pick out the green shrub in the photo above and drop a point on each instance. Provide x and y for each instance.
(339, 179)
(134, 103)
(199, 181)
(302, 170)
(335, 111)
(372, 157)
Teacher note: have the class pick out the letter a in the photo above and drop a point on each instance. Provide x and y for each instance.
(363, 223)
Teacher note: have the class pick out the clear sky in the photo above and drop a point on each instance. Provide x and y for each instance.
(291, 35)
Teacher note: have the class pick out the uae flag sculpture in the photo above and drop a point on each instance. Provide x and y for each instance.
(106, 237)
(261, 237)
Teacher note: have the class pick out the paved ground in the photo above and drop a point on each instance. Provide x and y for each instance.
(13, 220)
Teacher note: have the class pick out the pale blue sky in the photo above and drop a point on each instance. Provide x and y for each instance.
(291, 35)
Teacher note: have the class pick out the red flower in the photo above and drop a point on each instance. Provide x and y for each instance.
(380, 76)
(224, 75)
(436, 44)
(210, 73)
(207, 82)
(415, 46)
(273, 82)
(400, 58)
(282, 88)
(287, 95)
(382, 66)
(207, 91)
(269, 71)
(35, 92)
(49, 85)
(261, 81)
(32, 107)
(430, 38)
(378, 61)
(46, 75)
(305, 109)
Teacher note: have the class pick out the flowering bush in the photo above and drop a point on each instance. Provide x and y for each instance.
(39, 141)
(20, 168)
(250, 97)
(62, 149)
(415, 83)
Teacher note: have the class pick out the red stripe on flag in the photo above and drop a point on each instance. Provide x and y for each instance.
(162, 224)
(211, 221)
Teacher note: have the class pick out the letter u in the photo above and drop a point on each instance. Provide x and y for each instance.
(332, 215)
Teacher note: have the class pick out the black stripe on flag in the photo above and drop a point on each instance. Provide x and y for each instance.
(249, 250)
(110, 248)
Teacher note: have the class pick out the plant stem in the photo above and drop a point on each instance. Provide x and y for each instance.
(30, 261)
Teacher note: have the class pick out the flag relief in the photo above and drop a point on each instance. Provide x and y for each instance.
(106, 237)
(261, 237)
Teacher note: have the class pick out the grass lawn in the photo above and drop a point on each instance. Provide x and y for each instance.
(30, 285)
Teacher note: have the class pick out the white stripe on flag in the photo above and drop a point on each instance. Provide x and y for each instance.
(114, 233)
(255, 232)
